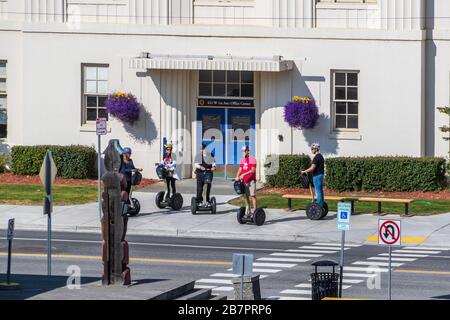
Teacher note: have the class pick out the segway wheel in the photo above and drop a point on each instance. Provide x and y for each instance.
(194, 205)
(325, 210)
(259, 216)
(136, 208)
(314, 211)
(213, 205)
(240, 215)
(159, 199)
(176, 202)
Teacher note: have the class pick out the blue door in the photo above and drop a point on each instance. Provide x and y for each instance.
(225, 131)
(211, 125)
(240, 133)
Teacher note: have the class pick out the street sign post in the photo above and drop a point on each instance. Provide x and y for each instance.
(48, 174)
(343, 224)
(389, 234)
(9, 236)
(101, 130)
(242, 265)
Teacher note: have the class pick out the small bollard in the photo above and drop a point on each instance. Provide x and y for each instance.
(252, 290)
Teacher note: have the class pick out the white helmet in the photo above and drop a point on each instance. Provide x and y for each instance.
(315, 146)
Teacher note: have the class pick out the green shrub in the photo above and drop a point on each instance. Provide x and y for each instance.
(73, 162)
(3, 162)
(400, 174)
(289, 167)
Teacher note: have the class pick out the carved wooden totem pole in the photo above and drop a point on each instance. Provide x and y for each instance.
(114, 222)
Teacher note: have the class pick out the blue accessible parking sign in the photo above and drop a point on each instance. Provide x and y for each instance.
(343, 215)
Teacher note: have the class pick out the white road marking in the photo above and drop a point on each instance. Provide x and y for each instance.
(405, 255)
(199, 286)
(231, 275)
(292, 291)
(351, 281)
(416, 251)
(319, 248)
(274, 265)
(287, 298)
(223, 289)
(300, 255)
(363, 269)
(262, 270)
(393, 259)
(358, 275)
(283, 260)
(377, 263)
(425, 248)
(218, 281)
(334, 245)
(311, 251)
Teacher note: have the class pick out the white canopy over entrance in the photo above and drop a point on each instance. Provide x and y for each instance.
(228, 63)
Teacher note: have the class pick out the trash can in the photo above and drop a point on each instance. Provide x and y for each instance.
(324, 284)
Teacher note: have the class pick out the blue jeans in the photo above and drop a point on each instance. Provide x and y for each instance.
(318, 188)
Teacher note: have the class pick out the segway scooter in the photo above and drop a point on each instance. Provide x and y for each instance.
(314, 211)
(211, 205)
(134, 207)
(245, 214)
(162, 199)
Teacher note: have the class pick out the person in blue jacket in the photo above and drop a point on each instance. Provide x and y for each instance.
(127, 168)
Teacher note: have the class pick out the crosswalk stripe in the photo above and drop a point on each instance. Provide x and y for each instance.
(223, 289)
(274, 265)
(283, 259)
(377, 263)
(231, 275)
(287, 298)
(293, 291)
(358, 275)
(351, 281)
(308, 285)
(416, 251)
(405, 255)
(363, 269)
(393, 259)
(262, 270)
(336, 244)
(318, 248)
(425, 248)
(199, 286)
(218, 281)
(311, 251)
(300, 255)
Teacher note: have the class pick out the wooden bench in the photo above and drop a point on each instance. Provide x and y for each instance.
(289, 197)
(353, 199)
(405, 202)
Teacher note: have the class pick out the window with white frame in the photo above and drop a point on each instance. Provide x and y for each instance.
(345, 100)
(3, 95)
(226, 84)
(95, 91)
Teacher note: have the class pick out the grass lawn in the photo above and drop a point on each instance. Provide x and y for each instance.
(20, 194)
(423, 207)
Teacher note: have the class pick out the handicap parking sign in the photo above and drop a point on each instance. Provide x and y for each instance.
(343, 215)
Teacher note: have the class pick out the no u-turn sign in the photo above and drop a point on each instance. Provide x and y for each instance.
(389, 232)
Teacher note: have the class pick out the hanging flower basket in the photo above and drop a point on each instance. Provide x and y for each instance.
(301, 113)
(123, 106)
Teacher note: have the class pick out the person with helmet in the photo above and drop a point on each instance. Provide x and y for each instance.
(204, 162)
(170, 165)
(127, 168)
(317, 169)
(247, 174)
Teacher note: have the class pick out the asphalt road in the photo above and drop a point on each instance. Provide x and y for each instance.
(417, 273)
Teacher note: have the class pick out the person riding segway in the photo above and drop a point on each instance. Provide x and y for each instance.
(204, 168)
(133, 177)
(245, 184)
(166, 170)
(318, 208)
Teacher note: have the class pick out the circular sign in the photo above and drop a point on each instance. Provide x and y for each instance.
(389, 232)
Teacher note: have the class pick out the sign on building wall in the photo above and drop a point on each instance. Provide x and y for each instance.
(225, 103)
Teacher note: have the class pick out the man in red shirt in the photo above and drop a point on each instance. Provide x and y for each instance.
(247, 174)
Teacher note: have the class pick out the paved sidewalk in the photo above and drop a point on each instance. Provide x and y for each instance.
(280, 225)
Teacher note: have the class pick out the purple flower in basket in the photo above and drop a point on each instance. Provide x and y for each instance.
(123, 106)
(301, 113)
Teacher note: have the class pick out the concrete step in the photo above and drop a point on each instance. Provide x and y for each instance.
(176, 292)
(197, 294)
(219, 297)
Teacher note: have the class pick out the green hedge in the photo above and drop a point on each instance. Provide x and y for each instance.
(401, 174)
(73, 162)
(3, 162)
(289, 167)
